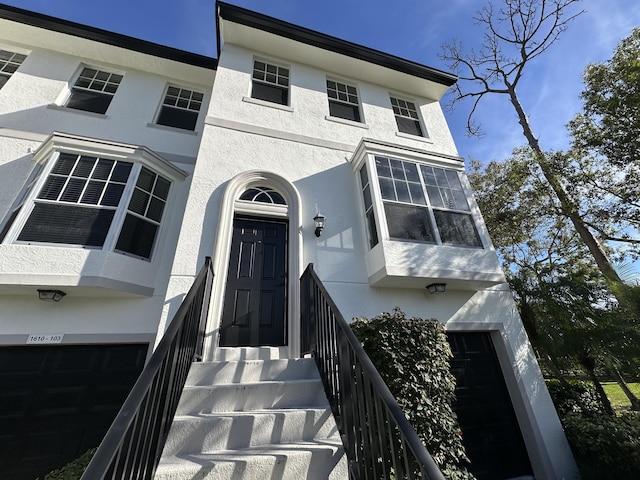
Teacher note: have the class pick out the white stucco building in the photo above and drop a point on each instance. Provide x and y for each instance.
(123, 164)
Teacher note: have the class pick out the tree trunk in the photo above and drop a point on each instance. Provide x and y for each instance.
(567, 205)
(635, 401)
(589, 365)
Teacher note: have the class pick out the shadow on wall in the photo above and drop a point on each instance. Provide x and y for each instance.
(13, 176)
(339, 253)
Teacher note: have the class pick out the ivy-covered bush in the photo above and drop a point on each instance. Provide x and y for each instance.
(72, 470)
(605, 446)
(412, 356)
(574, 396)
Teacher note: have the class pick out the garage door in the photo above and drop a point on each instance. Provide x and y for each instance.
(490, 431)
(58, 401)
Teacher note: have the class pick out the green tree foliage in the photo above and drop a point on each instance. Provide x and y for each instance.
(605, 168)
(571, 317)
(517, 32)
(412, 356)
(573, 310)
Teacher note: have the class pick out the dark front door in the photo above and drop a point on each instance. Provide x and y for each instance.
(58, 401)
(255, 308)
(490, 430)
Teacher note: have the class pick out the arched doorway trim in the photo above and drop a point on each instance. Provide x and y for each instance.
(231, 205)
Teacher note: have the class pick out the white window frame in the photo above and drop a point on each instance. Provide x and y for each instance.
(416, 109)
(96, 93)
(271, 84)
(348, 85)
(11, 61)
(48, 157)
(191, 100)
(378, 202)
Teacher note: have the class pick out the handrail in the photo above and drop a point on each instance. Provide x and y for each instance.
(133, 444)
(380, 442)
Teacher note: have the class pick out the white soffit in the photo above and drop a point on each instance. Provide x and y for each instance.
(341, 65)
(30, 37)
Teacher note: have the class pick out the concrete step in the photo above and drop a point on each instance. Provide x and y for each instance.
(210, 373)
(303, 393)
(320, 460)
(225, 354)
(239, 430)
(253, 415)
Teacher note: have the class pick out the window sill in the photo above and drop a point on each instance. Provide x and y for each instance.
(414, 137)
(62, 108)
(390, 264)
(347, 122)
(264, 103)
(172, 129)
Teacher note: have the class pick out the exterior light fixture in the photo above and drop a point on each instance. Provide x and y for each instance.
(50, 295)
(319, 220)
(437, 287)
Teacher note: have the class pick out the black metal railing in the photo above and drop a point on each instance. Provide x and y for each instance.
(380, 442)
(132, 447)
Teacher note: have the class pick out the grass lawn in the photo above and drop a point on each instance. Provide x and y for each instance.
(616, 395)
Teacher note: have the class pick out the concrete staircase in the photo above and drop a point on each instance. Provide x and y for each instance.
(253, 414)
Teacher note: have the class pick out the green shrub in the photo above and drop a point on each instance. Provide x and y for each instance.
(605, 446)
(573, 397)
(412, 356)
(72, 470)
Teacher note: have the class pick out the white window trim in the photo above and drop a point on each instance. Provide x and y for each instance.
(348, 83)
(64, 97)
(200, 112)
(18, 51)
(425, 132)
(140, 156)
(275, 63)
(365, 154)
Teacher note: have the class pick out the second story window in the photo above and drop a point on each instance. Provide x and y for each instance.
(9, 63)
(270, 83)
(93, 90)
(92, 201)
(180, 108)
(407, 117)
(421, 203)
(343, 101)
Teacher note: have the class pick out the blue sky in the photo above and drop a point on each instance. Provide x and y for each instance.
(413, 29)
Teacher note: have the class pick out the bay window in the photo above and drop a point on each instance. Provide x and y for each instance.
(91, 201)
(420, 202)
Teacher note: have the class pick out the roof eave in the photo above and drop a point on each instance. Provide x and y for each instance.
(304, 35)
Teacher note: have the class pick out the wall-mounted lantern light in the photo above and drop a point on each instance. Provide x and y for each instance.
(50, 295)
(319, 220)
(437, 287)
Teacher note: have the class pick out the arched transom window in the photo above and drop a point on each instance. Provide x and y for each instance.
(263, 195)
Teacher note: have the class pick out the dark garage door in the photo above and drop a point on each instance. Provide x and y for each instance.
(490, 431)
(58, 401)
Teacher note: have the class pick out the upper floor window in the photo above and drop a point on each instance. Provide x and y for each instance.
(9, 63)
(92, 201)
(180, 108)
(270, 82)
(407, 117)
(93, 90)
(422, 202)
(343, 101)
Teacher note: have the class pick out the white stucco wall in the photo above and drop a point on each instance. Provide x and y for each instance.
(110, 296)
(312, 153)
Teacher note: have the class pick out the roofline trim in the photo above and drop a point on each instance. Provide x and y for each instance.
(67, 27)
(268, 24)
